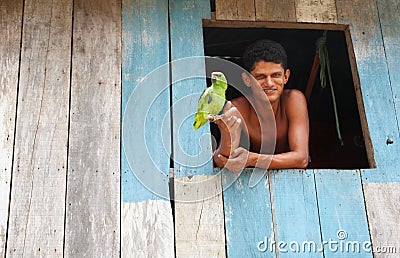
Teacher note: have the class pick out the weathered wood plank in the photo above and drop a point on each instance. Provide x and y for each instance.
(93, 199)
(296, 212)
(248, 216)
(389, 16)
(316, 11)
(199, 216)
(375, 85)
(272, 24)
(146, 225)
(342, 213)
(382, 202)
(191, 159)
(145, 97)
(153, 235)
(37, 206)
(235, 10)
(272, 10)
(188, 80)
(10, 31)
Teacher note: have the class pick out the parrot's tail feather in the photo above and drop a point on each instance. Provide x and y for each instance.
(199, 121)
(197, 125)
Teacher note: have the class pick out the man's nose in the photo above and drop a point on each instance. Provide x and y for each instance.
(268, 81)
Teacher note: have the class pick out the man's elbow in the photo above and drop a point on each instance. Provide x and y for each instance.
(302, 162)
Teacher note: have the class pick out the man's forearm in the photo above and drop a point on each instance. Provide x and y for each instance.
(278, 161)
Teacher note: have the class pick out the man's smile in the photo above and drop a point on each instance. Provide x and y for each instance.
(269, 91)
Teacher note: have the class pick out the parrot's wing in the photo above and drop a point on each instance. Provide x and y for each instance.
(204, 99)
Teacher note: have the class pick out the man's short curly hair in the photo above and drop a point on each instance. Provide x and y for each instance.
(264, 50)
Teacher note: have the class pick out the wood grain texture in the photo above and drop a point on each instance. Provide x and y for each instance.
(199, 225)
(199, 217)
(147, 229)
(375, 84)
(316, 11)
(146, 224)
(342, 212)
(272, 10)
(188, 82)
(10, 29)
(37, 205)
(389, 16)
(243, 10)
(93, 188)
(295, 203)
(248, 217)
(383, 202)
(272, 25)
(145, 100)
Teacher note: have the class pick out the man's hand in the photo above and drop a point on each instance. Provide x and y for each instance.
(238, 160)
(230, 126)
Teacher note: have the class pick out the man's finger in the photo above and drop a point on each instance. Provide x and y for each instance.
(223, 159)
(227, 106)
(214, 119)
(211, 118)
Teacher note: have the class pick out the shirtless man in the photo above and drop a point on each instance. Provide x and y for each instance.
(247, 118)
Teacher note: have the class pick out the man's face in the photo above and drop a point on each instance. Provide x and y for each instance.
(270, 78)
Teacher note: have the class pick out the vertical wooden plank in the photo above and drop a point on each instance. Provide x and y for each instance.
(147, 229)
(146, 225)
(188, 79)
(316, 11)
(192, 160)
(10, 29)
(248, 217)
(296, 212)
(389, 16)
(243, 10)
(342, 213)
(37, 208)
(93, 206)
(199, 214)
(375, 85)
(272, 10)
(382, 202)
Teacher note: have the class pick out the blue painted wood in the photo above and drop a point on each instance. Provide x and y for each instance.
(145, 100)
(296, 213)
(248, 217)
(375, 85)
(191, 149)
(342, 213)
(389, 11)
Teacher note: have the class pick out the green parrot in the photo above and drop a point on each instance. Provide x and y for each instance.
(212, 100)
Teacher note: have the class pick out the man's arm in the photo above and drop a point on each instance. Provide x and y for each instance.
(298, 134)
(229, 124)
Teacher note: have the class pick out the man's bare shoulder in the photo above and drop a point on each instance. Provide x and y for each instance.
(293, 95)
(241, 103)
(294, 101)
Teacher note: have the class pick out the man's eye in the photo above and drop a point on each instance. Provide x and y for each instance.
(277, 75)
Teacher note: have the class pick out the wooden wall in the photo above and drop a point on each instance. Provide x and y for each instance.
(60, 136)
(67, 71)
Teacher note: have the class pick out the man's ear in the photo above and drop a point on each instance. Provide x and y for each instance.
(287, 74)
(246, 79)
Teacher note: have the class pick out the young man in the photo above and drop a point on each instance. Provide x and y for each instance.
(271, 146)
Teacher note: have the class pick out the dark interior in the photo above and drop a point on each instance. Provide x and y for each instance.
(325, 148)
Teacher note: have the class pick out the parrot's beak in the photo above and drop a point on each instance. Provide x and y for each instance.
(214, 77)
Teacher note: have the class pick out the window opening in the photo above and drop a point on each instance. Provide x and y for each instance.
(326, 149)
